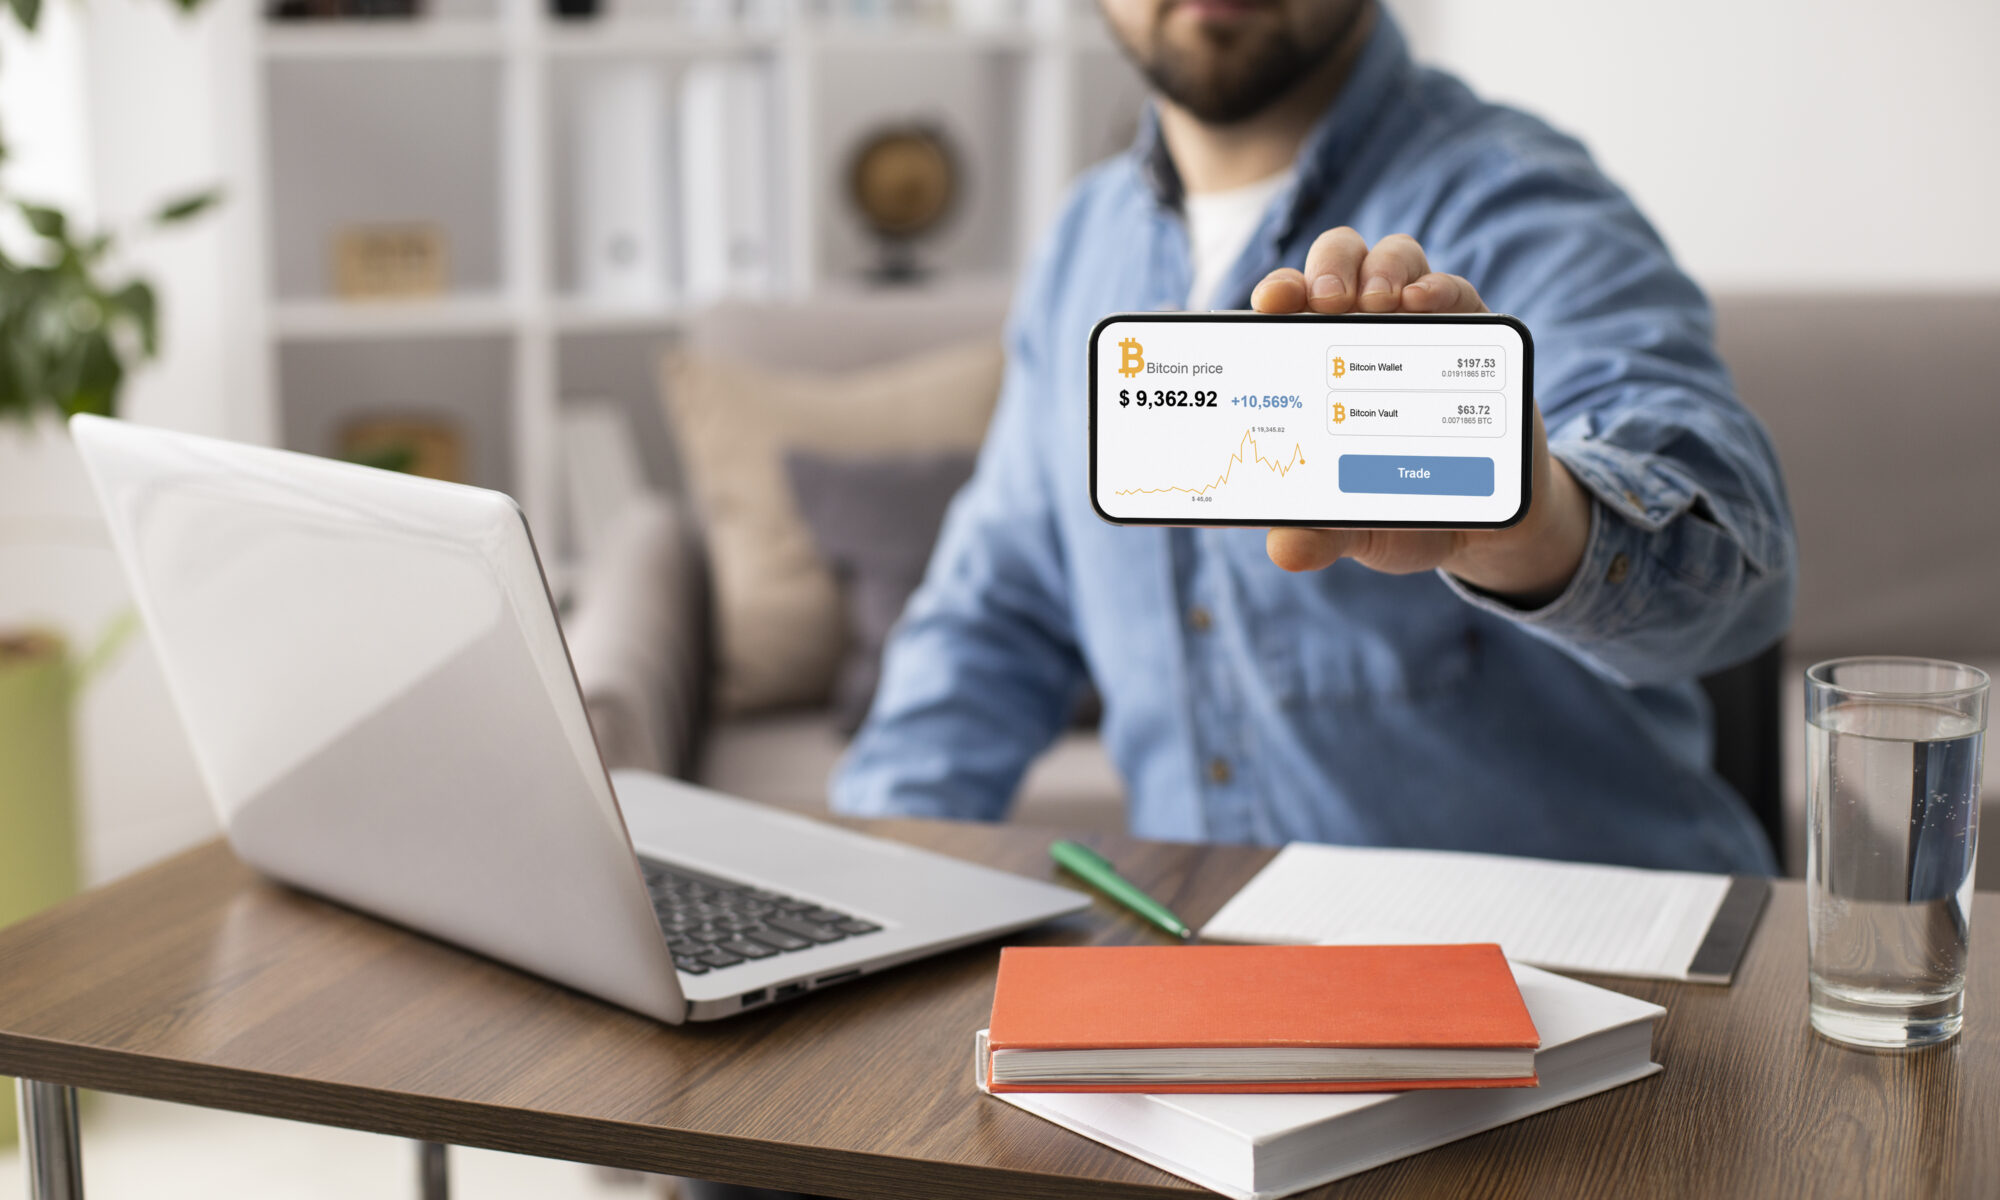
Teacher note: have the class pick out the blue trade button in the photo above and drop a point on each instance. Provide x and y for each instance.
(1416, 475)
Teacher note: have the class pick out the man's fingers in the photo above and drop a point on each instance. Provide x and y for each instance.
(1333, 267)
(1394, 264)
(1436, 293)
(1282, 291)
(1390, 551)
(1307, 549)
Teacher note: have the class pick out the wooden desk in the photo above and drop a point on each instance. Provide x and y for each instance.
(199, 983)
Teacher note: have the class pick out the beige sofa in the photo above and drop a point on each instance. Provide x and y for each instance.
(1887, 422)
(639, 628)
(1881, 407)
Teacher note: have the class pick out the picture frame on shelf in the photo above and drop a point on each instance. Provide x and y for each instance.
(433, 447)
(390, 261)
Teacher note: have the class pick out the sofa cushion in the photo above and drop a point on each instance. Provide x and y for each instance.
(779, 632)
(874, 520)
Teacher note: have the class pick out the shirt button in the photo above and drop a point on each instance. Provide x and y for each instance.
(1199, 619)
(1621, 566)
(1218, 770)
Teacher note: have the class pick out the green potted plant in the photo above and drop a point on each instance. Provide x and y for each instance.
(70, 331)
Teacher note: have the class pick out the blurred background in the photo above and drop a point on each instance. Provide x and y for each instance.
(462, 236)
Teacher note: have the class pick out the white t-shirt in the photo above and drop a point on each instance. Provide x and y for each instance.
(1219, 227)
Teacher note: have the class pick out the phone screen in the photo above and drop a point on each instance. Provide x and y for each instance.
(1367, 421)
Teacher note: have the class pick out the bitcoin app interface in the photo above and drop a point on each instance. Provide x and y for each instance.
(1232, 418)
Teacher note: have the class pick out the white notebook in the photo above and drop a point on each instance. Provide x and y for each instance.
(1259, 1147)
(1563, 916)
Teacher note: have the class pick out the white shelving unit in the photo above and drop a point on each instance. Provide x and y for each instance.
(458, 119)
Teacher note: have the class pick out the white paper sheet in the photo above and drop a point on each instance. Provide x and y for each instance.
(1563, 916)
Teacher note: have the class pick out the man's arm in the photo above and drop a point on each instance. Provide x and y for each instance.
(1659, 545)
(982, 671)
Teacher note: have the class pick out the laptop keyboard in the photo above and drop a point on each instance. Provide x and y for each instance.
(712, 923)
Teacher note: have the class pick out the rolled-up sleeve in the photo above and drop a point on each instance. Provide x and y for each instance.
(1689, 565)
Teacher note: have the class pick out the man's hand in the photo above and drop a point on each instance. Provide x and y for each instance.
(1529, 563)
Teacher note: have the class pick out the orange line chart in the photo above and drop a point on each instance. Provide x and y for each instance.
(1246, 455)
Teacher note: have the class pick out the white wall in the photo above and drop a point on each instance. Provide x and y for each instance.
(1778, 144)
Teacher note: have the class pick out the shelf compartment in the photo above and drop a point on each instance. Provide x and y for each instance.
(384, 142)
(467, 382)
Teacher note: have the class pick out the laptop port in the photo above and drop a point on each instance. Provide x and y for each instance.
(841, 977)
(756, 997)
(788, 990)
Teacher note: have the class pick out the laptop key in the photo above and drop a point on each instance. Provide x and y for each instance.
(853, 925)
(691, 965)
(686, 947)
(810, 930)
(748, 949)
(778, 938)
(716, 957)
(825, 916)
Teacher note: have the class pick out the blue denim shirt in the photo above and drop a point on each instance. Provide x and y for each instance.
(1244, 704)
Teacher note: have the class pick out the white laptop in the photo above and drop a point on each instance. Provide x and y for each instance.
(370, 670)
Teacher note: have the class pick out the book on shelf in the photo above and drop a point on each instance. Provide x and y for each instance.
(621, 184)
(726, 144)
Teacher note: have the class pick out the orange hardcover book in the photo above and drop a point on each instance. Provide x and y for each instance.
(1257, 1019)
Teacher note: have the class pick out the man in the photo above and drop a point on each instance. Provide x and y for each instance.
(1527, 691)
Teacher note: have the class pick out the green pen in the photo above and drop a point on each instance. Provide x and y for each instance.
(1090, 866)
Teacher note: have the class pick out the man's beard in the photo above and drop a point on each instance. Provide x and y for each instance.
(1226, 82)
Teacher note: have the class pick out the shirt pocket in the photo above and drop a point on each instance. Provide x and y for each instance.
(1349, 636)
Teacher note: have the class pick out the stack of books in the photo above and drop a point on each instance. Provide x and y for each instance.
(1259, 1071)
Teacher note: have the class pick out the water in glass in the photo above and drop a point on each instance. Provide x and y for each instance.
(1893, 823)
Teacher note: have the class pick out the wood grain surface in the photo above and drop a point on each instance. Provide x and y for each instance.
(199, 982)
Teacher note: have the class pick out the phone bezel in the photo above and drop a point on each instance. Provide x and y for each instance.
(1527, 397)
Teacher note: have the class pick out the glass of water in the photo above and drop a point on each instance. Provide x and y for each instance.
(1892, 768)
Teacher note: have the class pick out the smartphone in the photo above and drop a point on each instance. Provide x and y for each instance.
(1236, 418)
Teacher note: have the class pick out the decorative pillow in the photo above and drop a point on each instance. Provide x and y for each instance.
(874, 520)
(777, 609)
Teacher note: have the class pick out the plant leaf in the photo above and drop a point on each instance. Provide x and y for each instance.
(27, 12)
(97, 378)
(137, 301)
(48, 222)
(13, 396)
(398, 458)
(187, 206)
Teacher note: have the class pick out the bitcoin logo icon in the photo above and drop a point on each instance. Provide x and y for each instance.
(1339, 366)
(1339, 412)
(1130, 361)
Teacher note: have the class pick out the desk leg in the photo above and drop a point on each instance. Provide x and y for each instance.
(433, 1172)
(51, 1145)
